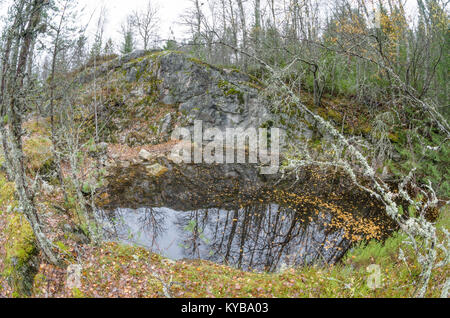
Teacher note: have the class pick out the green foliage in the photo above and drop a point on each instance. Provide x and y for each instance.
(170, 45)
(376, 252)
(87, 188)
(128, 42)
(430, 155)
(63, 248)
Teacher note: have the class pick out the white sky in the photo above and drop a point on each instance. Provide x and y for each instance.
(169, 13)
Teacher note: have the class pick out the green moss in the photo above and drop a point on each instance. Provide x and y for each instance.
(7, 191)
(38, 151)
(199, 279)
(223, 84)
(39, 127)
(63, 247)
(21, 251)
(253, 85)
(200, 62)
(268, 124)
(316, 144)
(330, 114)
(76, 293)
(39, 282)
(336, 116)
(394, 137)
(20, 244)
(231, 90)
(366, 129)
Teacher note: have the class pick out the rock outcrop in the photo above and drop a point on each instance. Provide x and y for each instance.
(150, 93)
(220, 98)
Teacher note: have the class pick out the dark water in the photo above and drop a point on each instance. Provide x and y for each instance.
(228, 217)
(261, 237)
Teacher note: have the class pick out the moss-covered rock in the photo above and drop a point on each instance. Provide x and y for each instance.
(38, 126)
(38, 153)
(139, 92)
(232, 90)
(20, 261)
(156, 170)
(21, 255)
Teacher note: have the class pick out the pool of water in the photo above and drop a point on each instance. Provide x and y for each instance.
(228, 217)
(260, 237)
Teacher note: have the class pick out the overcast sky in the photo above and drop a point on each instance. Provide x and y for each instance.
(117, 11)
(170, 11)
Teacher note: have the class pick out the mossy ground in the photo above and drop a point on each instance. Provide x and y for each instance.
(17, 266)
(38, 151)
(114, 270)
(37, 145)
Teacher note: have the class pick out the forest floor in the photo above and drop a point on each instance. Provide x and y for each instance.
(114, 270)
(117, 270)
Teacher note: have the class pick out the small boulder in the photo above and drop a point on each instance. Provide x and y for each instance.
(67, 228)
(132, 75)
(145, 155)
(156, 170)
(166, 124)
(386, 173)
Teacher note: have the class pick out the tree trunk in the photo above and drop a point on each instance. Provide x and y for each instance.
(244, 33)
(14, 107)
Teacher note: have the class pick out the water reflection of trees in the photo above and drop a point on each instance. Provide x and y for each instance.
(259, 236)
(129, 225)
(262, 236)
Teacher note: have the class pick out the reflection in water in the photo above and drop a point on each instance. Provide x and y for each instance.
(262, 236)
(229, 214)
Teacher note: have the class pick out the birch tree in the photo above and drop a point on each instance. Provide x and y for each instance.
(146, 23)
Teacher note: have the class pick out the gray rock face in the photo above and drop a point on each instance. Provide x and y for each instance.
(216, 97)
(159, 91)
(219, 98)
(166, 124)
